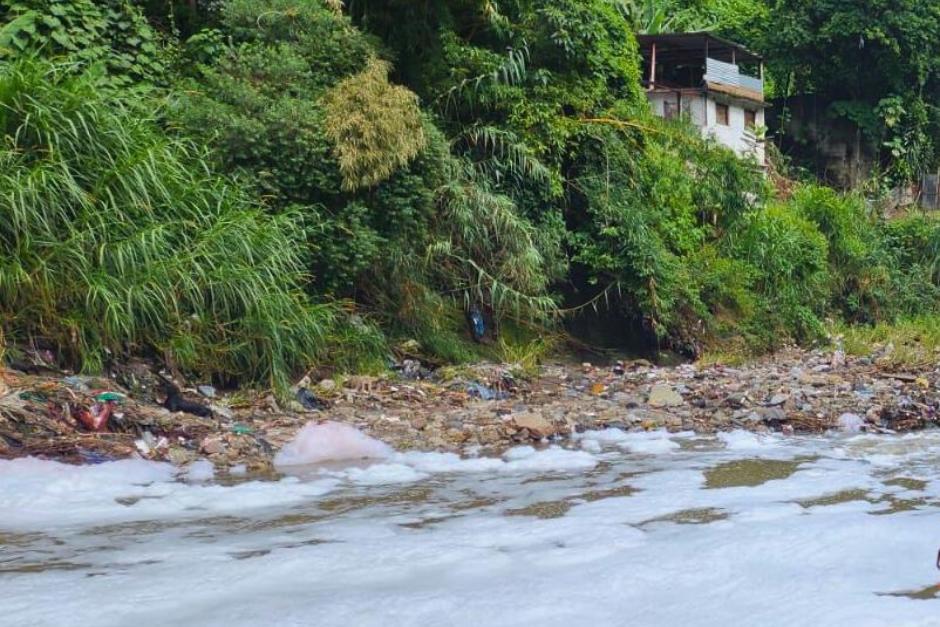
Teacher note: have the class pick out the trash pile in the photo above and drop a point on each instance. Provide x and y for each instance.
(141, 411)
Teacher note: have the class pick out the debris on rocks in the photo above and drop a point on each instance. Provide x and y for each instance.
(176, 403)
(80, 419)
(486, 393)
(309, 400)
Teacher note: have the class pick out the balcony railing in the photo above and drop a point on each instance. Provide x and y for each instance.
(729, 74)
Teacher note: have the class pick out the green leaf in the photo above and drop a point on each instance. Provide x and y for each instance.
(24, 23)
(51, 21)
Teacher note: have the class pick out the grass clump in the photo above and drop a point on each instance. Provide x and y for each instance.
(907, 343)
(115, 238)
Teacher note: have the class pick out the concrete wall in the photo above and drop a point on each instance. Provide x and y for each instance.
(832, 148)
(702, 111)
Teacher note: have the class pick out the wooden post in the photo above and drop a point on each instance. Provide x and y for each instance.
(734, 57)
(653, 67)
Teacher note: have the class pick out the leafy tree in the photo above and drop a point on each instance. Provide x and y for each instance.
(878, 62)
(111, 32)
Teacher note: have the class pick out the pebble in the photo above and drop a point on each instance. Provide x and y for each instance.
(778, 399)
(664, 396)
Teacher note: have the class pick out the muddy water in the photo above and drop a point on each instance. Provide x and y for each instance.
(651, 530)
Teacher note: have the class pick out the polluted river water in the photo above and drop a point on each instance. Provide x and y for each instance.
(612, 528)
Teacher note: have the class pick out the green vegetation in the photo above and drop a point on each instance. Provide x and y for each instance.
(907, 343)
(248, 187)
(114, 237)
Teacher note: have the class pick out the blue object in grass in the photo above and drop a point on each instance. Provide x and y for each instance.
(486, 393)
(477, 324)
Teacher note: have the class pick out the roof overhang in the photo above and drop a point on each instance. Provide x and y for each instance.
(684, 44)
(735, 91)
(722, 94)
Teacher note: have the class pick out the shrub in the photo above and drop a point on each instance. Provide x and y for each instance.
(112, 33)
(790, 259)
(114, 237)
(375, 126)
(301, 107)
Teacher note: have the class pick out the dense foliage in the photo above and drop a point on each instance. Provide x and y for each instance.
(114, 237)
(395, 164)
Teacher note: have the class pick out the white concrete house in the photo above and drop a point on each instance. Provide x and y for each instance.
(715, 84)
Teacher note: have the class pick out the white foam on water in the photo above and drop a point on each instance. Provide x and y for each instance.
(415, 466)
(640, 442)
(801, 546)
(40, 494)
(747, 441)
(851, 423)
(200, 471)
(329, 441)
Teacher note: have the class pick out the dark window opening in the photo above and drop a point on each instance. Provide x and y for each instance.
(670, 110)
(722, 114)
(750, 119)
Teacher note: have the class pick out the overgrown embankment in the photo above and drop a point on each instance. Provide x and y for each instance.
(245, 191)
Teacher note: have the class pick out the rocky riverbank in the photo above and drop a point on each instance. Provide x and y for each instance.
(489, 406)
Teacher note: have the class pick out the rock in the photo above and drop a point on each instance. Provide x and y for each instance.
(212, 446)
(180, 456)
(771, 414)
(206, 390)
(489, 435)
(535, 424)
(838, 359)
(664, 396)
(327, 385)
(814, 380)
(851, 423)
(736, 400)
(752, 417)
(419, 423)
(626, 400)
(778, 399)
(224, 412)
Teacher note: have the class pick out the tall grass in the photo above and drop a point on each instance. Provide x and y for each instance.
(114, 237)
(906, 343)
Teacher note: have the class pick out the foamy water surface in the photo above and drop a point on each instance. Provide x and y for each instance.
(612, 529)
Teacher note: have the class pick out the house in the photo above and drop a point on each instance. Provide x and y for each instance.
(716, 84)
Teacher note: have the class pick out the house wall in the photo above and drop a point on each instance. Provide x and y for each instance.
(702, 111)
(735, 135)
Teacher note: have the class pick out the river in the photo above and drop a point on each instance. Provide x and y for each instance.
(612, 529)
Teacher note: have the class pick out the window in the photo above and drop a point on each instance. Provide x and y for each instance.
(670, 110)
(721, 114)
(750, 119)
